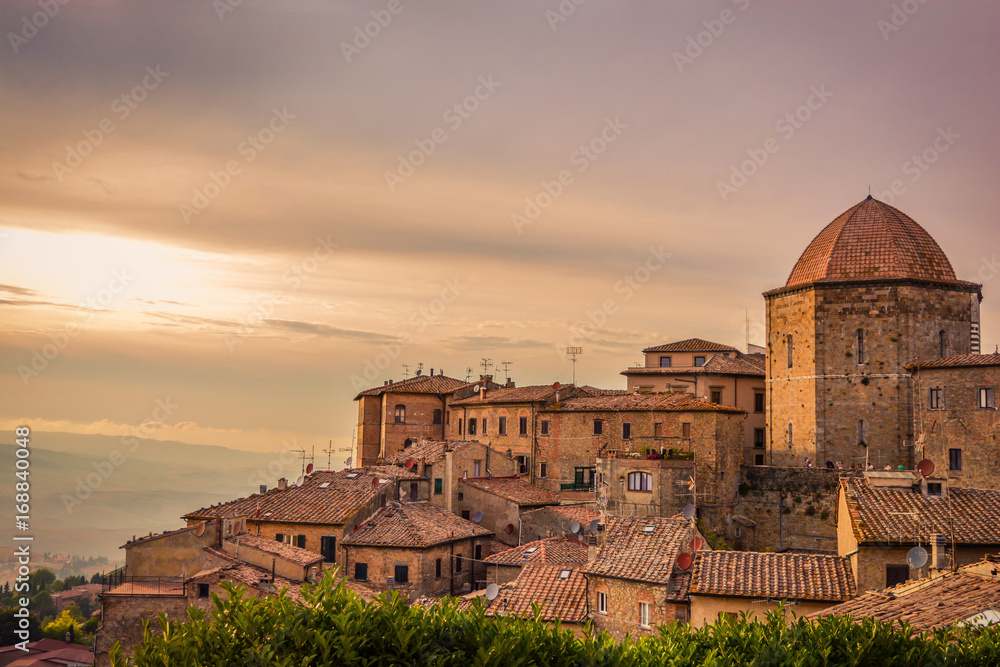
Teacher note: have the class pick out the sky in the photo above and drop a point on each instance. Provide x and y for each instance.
(220, 219)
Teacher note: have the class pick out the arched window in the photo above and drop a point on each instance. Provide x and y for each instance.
(790, 349)
(640, 481)
(943, 340)
(400, 414)
(861, 346)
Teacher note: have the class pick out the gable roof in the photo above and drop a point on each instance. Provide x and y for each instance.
(539, 393)
(780, 576)
(561, 598)
(413, 525)
(247, 574)
(691, 345)
(629, 552)
(346, 491)
(639, 402)
(900, 515)
(750, 365)
(549, 551)
(959, 361)
(429, 452)
(420, 384)
(290, 553)
(514, 489)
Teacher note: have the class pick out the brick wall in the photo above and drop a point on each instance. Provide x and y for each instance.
(793, 508)
(422, 565)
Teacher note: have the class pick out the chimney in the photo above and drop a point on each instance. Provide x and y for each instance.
(591, 548)
(939, 559)
(312, 573)
(263, 488)
(432, 372)
(482, 391)
(282, 484)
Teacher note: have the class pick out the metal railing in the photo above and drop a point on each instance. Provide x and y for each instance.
(160, 586)
(577, 487)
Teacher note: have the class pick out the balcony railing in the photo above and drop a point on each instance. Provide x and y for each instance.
(160, 586)
(577, 487)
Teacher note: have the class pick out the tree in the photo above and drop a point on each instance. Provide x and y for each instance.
(96, 579)
(64, 623)
(43, 605)
(90, 627)
(41, 579)
(9, 623)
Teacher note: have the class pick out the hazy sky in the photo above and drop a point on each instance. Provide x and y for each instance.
(234, 208)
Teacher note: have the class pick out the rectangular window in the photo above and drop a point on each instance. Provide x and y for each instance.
(300, 541)
(664, 362)
(791, 349)
(447, 418)
(437, 569)
(479, 551)
(602, 602)
(686, 430)
(986, 398)
(460, 424)
(484, 425)
(758, 460)
(400, 414)
(438, 485)
(861, 431)
(544, 424)
(640, 481)
(598, 426)
(716, 396)
(437, 416)
(699, 361)
(328, 548)
(758, 402)
(414, 492)
(458, 563)
(466, 515)
(361, 571)
(542, 470)
(896, 574)
(758, 437)
(626, 431)
(861, 346)
(203, 590)
(644, 614)
(935, 401)
(522, 426)
(472, 426)
(954, 459)
(477, 468)
(279, 537)
(502, 426)
(933, 488)
(658, 430)
(522, 465)
(402, 574)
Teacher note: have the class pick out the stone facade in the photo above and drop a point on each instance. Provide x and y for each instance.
(443, 569)
(792, 508)
(623, 606)
(707, 609)
(159, 555)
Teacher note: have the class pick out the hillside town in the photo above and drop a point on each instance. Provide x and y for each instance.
(847, 467)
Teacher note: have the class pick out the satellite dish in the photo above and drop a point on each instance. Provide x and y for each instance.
(299, 481)
(689, 512)
(556, 386)
(916, 558)
(925, 467)
(593, 527)
(684, 561)
(200, 530)
(476, 388)
(509, 529)
(347, 463)
(575, 528)
(409, 464)
(478, 517)
(492, 591)
(696, 543)
(309, 469)
(374, 482)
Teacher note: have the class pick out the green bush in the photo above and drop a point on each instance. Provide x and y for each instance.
(335, 627)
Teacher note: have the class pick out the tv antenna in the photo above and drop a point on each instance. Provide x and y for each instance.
(485, 363)
(420, 368)
(329, 453)
(406, 371)
(468, 374)
(506, 369)
(573, 352)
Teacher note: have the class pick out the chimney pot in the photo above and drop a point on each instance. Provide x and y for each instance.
(282, 484)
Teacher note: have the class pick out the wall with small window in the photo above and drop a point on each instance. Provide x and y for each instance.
(629, 607)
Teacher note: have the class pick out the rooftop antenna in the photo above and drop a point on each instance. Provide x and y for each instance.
(329, 453)
(406, 371)
(468, 374)
(420, 368)
(506, 369)
(573, 352)
(485, 363)
(302, 455)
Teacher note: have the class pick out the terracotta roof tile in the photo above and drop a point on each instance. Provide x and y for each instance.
(249, 575)
(679, 588)
(635, 401)
(783, 576)
(513, 489)
(550, 551)
(527, 394)
(889, 514)
(562, 592)
(290, 553)
(751, 365)
(691, 345)
(413, 525)
(427, 451)
(345, 492)
(630, 552)
(582, 514)
(420, 384)
(872, 241)
(959, 361)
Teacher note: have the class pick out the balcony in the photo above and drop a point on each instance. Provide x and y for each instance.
(577, 486)
(143, 586)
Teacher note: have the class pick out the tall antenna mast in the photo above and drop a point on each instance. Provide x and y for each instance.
(506, 369)
(485, 363)
(329, 453)
(468, 374)
(573, 352)
(406, 371)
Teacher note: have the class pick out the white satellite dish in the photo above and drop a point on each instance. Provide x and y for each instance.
(575, 528)
(347, 463)
(299, 481)
(492, 591)
(916, 558)
(478, 517)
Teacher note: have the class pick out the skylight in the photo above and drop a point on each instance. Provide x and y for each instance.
(649, 529)
(564, 574)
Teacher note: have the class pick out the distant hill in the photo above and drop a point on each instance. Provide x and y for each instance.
(148, 492)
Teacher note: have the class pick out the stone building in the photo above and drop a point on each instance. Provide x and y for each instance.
(418, 549)
(319, 513)
(711, 372)
(735, 582)
(882, 515)
(871, 294)
(392, 416)
(634, 584)
(956, 419)
(506, 566)
(445, 463)
(502, 501)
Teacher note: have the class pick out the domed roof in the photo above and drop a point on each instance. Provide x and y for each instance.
(872, 241)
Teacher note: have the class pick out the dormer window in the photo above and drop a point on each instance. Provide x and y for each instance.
(699, 361)
(664, 362)
(934, 488)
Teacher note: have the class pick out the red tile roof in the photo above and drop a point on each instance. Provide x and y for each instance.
(629, 552)
(413, 525)
(421, 384)
(691, 345)
(582, 514)
(562, 592)
(959, 361)
(751, 365)
(513, 489)
(290, 553)
(597, 391)
(345, 492)
(900, 515)
(872, 241)
(249, 575)
(528, 394)
(779, 576)
(428, 451)
(639, 402)
(550, 551)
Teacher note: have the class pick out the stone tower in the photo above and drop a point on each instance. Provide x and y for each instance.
(872, 293)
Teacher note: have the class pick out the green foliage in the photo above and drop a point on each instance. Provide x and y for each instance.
(335, 627)
(41, 579)
(9, 623)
